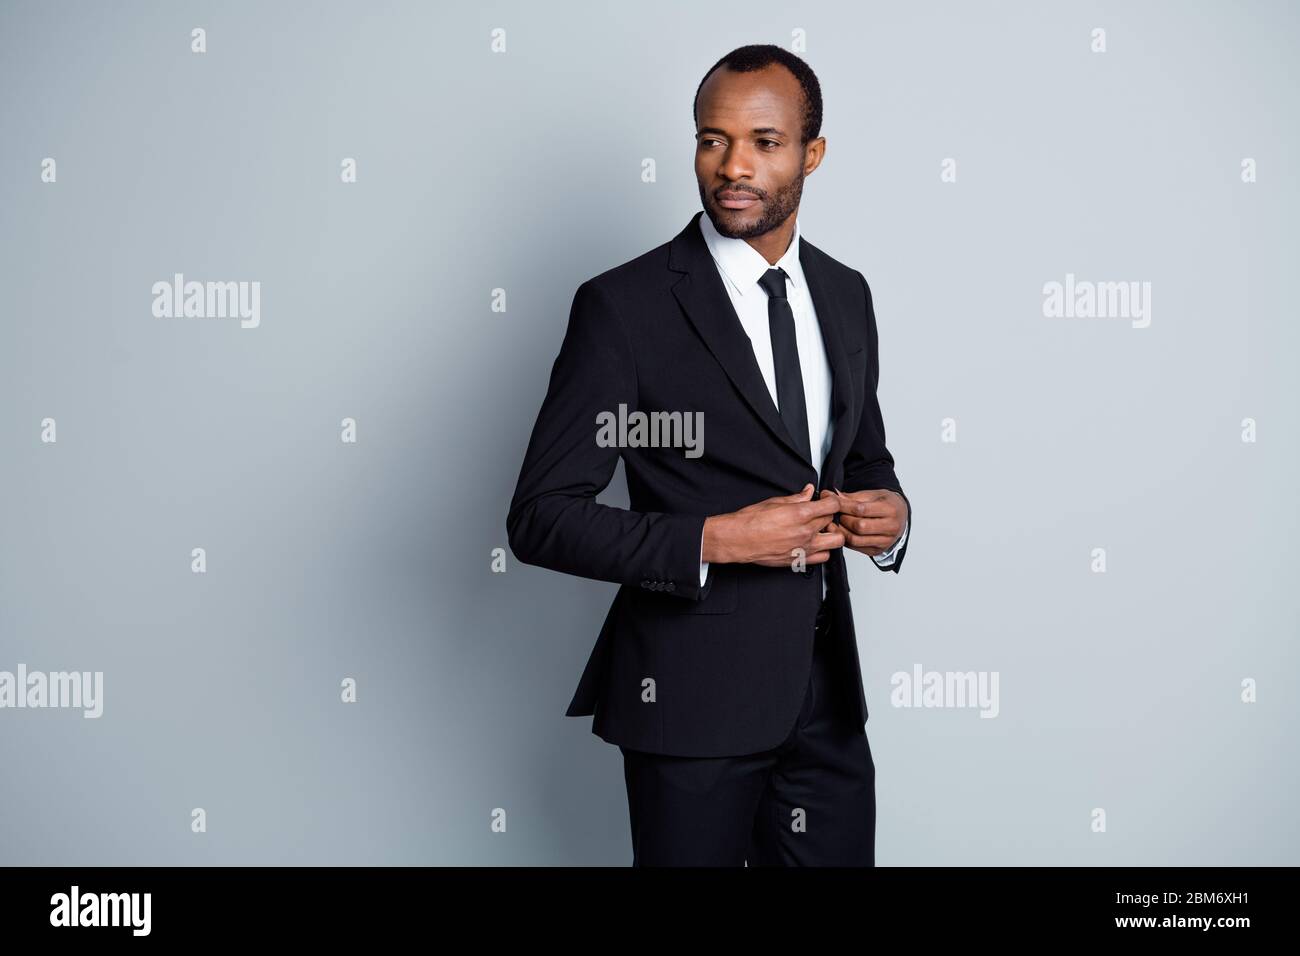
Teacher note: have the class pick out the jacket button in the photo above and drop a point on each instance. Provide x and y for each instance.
(672, 586)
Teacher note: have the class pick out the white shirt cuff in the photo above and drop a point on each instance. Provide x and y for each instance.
(704, 565)
(887, 558)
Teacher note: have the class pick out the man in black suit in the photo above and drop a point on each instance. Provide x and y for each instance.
(727, 668)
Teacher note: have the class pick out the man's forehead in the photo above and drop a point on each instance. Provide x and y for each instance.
(773, 82)
(752, 100)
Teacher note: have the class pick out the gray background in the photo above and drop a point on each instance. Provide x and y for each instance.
(522, 171)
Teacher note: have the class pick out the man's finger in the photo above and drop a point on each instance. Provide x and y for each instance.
(868, 508)
(878, 541)
(804, 494)
(867, 525)
(831, 539)
(820, 509)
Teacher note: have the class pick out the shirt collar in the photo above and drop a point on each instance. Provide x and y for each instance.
(743, 265)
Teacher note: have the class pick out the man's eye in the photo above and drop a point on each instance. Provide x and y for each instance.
(772, 141)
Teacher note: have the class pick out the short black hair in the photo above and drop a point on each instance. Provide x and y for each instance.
(747, 59)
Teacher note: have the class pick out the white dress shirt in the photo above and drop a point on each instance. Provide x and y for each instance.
(741, 266)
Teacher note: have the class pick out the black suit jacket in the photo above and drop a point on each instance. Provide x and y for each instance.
(679, 669)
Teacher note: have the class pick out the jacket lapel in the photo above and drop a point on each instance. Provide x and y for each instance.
(708, 307)
(830, 308)
(704, 299)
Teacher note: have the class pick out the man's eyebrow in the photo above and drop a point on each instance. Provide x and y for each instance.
(757, 130)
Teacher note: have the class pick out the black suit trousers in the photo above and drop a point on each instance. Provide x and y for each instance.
(809, 801)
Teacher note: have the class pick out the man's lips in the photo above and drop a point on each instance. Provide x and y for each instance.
(730, 199)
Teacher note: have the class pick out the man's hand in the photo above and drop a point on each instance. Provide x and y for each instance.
(770, 532)
(872, 521)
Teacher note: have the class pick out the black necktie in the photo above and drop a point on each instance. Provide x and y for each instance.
(785, 356)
